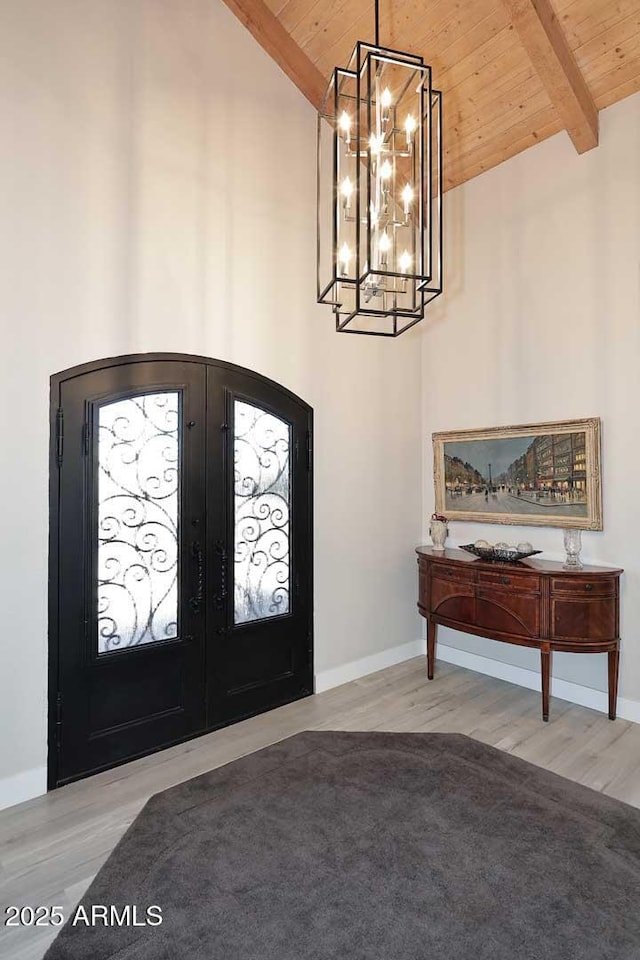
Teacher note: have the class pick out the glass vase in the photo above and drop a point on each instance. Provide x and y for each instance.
(573, 545)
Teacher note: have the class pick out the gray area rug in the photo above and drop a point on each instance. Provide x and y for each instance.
(373, 846)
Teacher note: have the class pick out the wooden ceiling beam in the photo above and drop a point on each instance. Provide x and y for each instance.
(537, 26)
(274, 39)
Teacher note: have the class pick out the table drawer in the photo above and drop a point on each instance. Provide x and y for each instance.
(523, 582)
(570, 587)
(450, 572)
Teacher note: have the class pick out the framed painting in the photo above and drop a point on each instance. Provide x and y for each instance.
(543, 474)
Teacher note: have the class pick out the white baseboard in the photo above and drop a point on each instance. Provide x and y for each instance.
(23, 786)
(327, 679)
(563, 689)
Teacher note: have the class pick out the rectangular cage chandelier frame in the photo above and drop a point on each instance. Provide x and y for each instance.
(379, 192)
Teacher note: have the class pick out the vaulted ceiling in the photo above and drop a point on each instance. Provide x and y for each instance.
(512, 72)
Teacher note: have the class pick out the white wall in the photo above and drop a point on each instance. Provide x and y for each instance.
(541, 321)
(157, 189)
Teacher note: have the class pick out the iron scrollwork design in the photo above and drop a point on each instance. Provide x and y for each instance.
(138, 494)
(262, 503)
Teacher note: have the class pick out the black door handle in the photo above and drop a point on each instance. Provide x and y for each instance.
(221, 597)
(195, 602)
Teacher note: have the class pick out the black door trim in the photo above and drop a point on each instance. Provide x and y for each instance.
(56, 452)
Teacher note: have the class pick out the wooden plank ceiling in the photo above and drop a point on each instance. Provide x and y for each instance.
(512, 72)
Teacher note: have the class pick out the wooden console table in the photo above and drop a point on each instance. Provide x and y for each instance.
(533, 603)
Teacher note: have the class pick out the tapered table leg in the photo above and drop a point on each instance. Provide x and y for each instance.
(545, 655)
(431, 648)
(614, 662)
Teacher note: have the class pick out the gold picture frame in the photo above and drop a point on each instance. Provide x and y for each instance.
(543, 474)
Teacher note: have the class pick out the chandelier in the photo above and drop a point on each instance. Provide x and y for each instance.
(379, 240)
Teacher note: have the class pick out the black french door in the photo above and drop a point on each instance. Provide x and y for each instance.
(180, 555)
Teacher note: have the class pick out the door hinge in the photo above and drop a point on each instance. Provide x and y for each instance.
(86, 437)
(309, 451)
(59, 436)
(59, 721)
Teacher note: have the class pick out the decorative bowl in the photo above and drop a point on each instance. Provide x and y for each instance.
(498, 554)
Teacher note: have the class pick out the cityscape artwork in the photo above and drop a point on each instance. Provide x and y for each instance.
(541, 474)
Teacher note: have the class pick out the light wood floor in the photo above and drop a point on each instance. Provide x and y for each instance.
(51, 847)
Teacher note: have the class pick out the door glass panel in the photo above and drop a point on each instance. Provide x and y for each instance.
(262, 500)
(138, 494)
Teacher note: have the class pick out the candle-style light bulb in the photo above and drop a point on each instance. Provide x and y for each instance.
(383, 246)
(386, 170)
(404, 261)
(346, 189)
(407, 197)
(410, 126)
(385, 103)
(344, 256)
(375, 144)
(374, 216)
(345, 125)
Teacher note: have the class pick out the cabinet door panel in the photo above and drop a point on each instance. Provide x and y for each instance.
(506, 612)
(423, 586)
(583, 619)
(453, 600)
